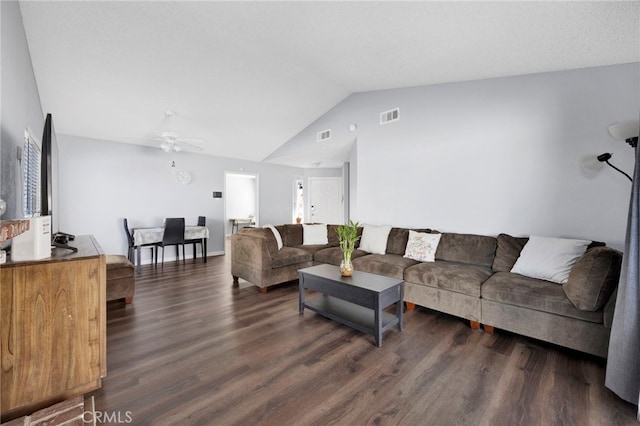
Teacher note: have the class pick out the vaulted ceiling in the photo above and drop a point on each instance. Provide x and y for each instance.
(246, 77)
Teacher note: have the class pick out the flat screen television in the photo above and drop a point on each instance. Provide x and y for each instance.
(46, 171)
(49, 183)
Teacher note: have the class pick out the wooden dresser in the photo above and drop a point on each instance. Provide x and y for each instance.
(53, 314)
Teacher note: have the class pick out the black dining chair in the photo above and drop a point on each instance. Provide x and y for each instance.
(202, 221)
(173, 236)
(132, 245)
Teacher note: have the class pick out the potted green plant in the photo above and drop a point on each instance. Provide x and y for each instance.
(347, 237)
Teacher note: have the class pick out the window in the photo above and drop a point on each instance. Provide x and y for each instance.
(30, 176)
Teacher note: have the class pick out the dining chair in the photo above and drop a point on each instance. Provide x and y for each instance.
(202, 221)
(132, 245)
(173, 236)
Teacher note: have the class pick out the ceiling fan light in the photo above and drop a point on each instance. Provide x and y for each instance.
(177, 148)
(165, 147)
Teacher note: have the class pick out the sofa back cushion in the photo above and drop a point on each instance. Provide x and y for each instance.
(397, 241)
(291, 234)
(266, 234)
(509, 249)
(507, 253)
(332, 235)
(467, 248)
(593, 278)
(398, 238)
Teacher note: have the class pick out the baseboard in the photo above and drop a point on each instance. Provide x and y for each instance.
(173, 258)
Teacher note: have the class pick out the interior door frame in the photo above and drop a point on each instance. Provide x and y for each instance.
(228, 231)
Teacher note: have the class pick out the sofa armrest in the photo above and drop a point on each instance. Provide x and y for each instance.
(609, 308)
(250, 249)
(594, 278)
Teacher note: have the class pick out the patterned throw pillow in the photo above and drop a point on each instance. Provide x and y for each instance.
(422, 246)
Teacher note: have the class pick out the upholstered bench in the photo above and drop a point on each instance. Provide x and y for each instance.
(121, 283)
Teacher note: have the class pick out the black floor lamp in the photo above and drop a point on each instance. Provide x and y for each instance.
(626, 131)
(604, 158)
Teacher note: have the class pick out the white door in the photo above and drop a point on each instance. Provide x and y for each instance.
(325, 200)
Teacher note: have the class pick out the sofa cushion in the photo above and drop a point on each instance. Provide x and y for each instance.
(593, 278)
(532, 293)
(453, 276)
(508, 251)
(266, 235)
(389, 265)
(291, 234)
(276, 234)
(374, 238)
(332, 235)
(333, 255)
(290, 256)
(549, 258)
(397, 240)
(118, 267)
(467, 248)
(313, 248)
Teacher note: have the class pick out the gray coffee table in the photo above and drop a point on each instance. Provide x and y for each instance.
(356, 301)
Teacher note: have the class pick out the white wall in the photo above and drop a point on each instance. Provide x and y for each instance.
(241, 196)
(496, 155)
(20, 104)
(102, 182)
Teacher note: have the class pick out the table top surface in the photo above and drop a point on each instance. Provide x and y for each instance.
(361, 279)
(152, 235)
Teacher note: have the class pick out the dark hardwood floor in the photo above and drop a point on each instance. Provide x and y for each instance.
(192, 349)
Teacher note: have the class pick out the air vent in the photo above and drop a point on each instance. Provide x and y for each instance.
(325, 135)
(389, 116)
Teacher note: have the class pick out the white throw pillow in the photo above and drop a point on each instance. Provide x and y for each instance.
(276, 234)
(374, 239)
(314, 234)
(549, 258)
(422, 246)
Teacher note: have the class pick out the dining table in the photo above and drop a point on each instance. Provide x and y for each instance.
(154, 235)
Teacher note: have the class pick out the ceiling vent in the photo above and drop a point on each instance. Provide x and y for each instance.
(325, 135)
(389, 116)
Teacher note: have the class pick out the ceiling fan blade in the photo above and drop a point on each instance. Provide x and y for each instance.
(191, 145)
(191, 140)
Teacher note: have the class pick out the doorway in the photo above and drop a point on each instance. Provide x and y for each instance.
(241, 202)
(326, 201)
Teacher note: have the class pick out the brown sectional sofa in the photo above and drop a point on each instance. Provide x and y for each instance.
(470, 278)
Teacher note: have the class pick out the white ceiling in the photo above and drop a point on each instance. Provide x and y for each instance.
(248, 76)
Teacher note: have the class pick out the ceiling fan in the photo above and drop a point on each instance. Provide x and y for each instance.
(171, 142)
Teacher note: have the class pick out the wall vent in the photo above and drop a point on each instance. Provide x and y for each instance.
(389, 116)
(325, 135)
